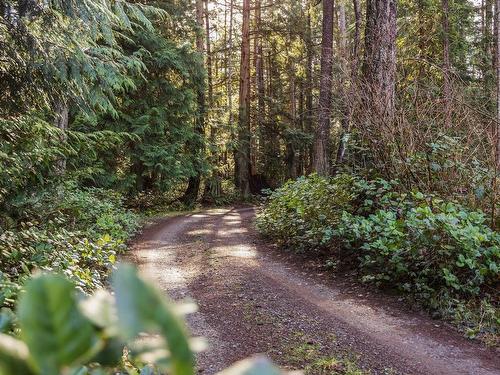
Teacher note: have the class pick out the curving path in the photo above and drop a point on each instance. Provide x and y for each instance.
(253, 300)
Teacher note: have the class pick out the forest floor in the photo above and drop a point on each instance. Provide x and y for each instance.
(254, 299)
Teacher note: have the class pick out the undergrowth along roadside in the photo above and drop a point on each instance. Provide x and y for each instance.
(438, 252)
(76, 231)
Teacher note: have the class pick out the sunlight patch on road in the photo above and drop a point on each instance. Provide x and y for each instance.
(197, 232)
(237, 251)
(243, 252)
(234, 231)
(232, 217)
(233, 223)
(172, 276)
(216, 212)
(152, 268)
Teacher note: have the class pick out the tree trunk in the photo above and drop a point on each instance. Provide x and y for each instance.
(231, 126)
(213, 189)
(291, 152)
(259, 79)
(346, 98)
(357, 36)
(308, 120)
(497, 31)
(302, 157)
(271, 147)
(497, 127)
(61, 121)
(191, 194)
(321, 162)
(243, 152)
(488, 49)
(379, 68)
(209, 56)
(446, 64)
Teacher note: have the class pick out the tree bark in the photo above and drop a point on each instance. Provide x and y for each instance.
(497, 31)
(488, 49)
(308, 119)
(233, 130)
(302, 157)
(259, 78)
(61, 122)
(271, 148)
(243, 152)
(357, 36)
(209, 56)
(446, 64)
(379, 68)
(497, 127)
(291, 152)
(191, 194)
(321, 162)
(229, 65)
(213, 188)
(346, 98)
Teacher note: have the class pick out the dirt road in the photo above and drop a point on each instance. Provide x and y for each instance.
(253, 300)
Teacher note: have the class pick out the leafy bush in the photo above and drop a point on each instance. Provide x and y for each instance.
(78, 232)
(424, 245)
(438, 251)
(303, 213)
(63, 333)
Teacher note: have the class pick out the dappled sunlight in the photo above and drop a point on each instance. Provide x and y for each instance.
(243, 252)
(156, 264)
(234, 231)
(233, 223)
(172, 276)
(237, 251)
(214, 212)
(232, 220)
(199, 215)
(197, 232)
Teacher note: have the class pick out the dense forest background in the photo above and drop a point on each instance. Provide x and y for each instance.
(165, 96)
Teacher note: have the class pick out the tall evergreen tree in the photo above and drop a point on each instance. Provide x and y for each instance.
(321, 159)
(243, 152)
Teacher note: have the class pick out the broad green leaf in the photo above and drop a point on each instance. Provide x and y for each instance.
(148, 370)
(6, 318)
(13, 356)
(252, 366)
(142, 308)
(101, 310)
(56, 332)
(111, 354)
(80, 371)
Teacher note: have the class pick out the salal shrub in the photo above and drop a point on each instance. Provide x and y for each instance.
(423, 245)
(133, 331)
(302, 214)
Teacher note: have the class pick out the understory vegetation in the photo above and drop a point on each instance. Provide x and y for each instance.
(96, 116)
(436, 250)
(68, 230)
